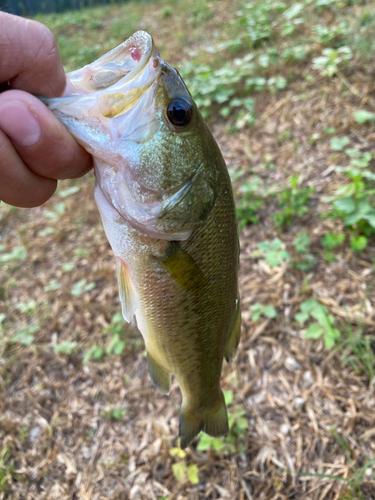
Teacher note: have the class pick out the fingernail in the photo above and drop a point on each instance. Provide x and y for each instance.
(19, 124)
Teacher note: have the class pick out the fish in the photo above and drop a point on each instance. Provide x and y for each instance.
(166, 202)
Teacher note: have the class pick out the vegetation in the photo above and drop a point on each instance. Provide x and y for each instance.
(287, 90)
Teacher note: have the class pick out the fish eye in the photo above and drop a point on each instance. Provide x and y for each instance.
(180, 112)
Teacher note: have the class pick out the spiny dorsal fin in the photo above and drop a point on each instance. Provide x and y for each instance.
(127, 295)
(182, 268)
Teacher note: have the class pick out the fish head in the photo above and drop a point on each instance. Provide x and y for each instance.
(156, 161)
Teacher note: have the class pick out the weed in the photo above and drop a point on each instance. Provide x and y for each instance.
(95, 352)
(81, 286)
(330, 241)
(181, 470)
(304, 260)
(362, 116)
(354, 202)
(52, 286)
(338, 143)
(330, 35)
(116, 328)
(114, 413)
(354, 490)
(328, 63)
(293, 202)
(66, 347)
(54, 215)
(323, 326)
(6, 468)
(17, 254)
(273, 251)
(28, 308)
(250, 202)
(115, 344)
(358, 243)
(258, 310)
(234, 441)
(26, 334)
(357, 351)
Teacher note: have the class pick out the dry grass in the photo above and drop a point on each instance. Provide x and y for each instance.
(311, 416)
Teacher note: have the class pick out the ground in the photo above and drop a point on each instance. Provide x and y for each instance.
(79, 417)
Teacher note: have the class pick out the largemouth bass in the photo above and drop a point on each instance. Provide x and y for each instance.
(166, 202)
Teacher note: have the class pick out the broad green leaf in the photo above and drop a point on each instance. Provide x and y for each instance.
(309, 305)
(293, 11)
(65, 347)
(363, 116)
(228, 396)
(192, 472)
(18, 253)
(269, 311)
(217, 444)
(205, 442)
(353, 218)
(358, 243)
(179, 471)
(338, 143)
(330, 337)
(370, 219)
(177, 452)
(314, 331)
(345, 205)
(242, 423)
(301, 317)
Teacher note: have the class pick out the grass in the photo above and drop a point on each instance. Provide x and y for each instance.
(286, 89)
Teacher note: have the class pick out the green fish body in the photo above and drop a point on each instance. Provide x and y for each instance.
(166, 202)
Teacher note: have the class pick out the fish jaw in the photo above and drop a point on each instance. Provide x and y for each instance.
(125, 61)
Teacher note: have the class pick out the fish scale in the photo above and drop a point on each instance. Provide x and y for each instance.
(167, 207)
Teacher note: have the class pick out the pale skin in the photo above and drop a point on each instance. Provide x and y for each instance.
(36, 150)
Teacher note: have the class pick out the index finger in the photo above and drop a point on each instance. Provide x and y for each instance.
(29, 58)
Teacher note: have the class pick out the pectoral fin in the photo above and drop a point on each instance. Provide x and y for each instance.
(159, 375)
(234, 337)
(182, 268)
(127, 295)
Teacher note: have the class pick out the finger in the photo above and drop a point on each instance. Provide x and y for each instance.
(20, 186)
(42, 142)
(30, 59)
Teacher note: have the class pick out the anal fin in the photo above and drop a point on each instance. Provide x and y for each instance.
(234, 337)
(127, 295)
(160, 377)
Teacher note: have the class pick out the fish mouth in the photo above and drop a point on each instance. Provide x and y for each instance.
(124, 63)
(112, 85)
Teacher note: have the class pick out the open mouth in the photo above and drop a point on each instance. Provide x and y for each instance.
(123, 62)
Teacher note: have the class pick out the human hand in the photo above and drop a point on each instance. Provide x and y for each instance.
(35, 148)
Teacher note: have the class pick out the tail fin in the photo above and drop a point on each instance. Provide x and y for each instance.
(212, 421)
